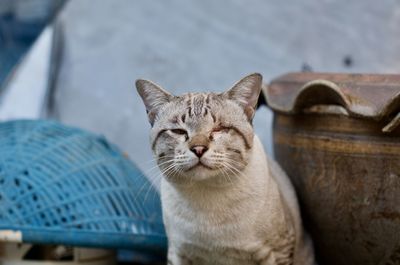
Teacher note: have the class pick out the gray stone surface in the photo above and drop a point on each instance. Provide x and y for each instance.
(207, 45)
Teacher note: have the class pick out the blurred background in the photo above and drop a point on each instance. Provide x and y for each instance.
(76, 61)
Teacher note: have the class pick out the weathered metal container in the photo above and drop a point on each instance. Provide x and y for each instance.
(338, 138)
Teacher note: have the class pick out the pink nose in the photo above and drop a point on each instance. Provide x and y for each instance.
(199, 150)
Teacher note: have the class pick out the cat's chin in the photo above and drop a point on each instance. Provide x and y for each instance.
(200, 166)
(200, 171)
(196, 173)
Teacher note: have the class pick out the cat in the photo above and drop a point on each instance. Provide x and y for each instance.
(224, 202)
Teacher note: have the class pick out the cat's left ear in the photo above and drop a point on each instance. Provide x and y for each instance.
(246, 92)
(154, 97)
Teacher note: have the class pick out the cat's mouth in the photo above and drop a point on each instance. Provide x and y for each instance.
(199, 165)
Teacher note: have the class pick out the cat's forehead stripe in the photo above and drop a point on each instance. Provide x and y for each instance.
(208, 99)
(189, 104)
(198, 103)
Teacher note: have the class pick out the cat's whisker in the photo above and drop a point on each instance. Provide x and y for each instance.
(227, 167)
(151, 178)
(233, 160)
(174, 159)
(170, 168)
(221, 166)
(176, 173)
(226, 175)
(163, 172)
(158, 158)
(149, 184)
(224, 156)
(234, 169)
(158, 165)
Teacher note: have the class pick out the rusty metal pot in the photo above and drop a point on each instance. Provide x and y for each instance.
(338, 138)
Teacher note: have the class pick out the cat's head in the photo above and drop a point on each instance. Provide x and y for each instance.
(199, 136)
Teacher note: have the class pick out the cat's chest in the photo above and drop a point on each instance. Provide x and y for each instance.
(217, 256)
(201, 229)
(219, 220)
(232, 228)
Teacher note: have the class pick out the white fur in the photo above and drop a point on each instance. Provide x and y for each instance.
(254, 220)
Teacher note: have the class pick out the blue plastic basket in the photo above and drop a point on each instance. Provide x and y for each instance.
(62, 185)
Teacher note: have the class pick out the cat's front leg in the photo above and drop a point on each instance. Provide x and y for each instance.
(174, 258)
(268, 256)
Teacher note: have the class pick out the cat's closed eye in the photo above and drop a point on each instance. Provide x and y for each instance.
(179, 131)
(218, 130)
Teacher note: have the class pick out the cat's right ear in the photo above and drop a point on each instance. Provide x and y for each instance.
(153, 97)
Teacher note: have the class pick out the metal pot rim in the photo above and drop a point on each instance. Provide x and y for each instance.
(364, 96)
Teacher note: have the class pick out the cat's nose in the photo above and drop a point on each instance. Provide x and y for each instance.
(199, 150)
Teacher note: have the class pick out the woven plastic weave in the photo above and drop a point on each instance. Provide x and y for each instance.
(63, 185)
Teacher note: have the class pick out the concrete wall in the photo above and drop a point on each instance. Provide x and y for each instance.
(207, 45)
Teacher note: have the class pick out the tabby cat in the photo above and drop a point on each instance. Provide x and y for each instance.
(223, 200)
